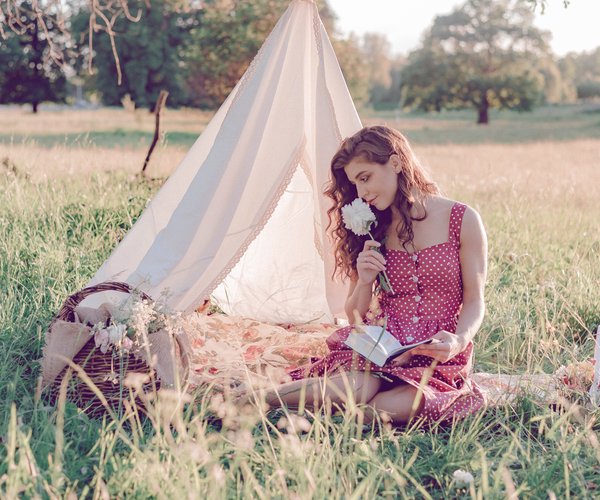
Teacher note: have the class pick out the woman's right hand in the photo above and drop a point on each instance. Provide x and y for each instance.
(369, 263)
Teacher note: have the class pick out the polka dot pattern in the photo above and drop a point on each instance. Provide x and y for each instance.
(428, 299)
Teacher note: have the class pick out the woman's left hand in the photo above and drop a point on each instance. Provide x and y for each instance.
(445, 346)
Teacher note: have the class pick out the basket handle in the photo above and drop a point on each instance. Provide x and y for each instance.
(67, 311)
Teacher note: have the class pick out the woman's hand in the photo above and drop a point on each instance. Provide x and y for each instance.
(403, 359)
(369, 263)
(445, 346)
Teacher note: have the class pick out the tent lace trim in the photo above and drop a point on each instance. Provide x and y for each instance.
(291, 168)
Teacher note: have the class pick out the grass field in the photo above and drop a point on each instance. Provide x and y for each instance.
(68, 197)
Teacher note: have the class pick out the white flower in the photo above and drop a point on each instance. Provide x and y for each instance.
(173, 323)
(127, 344)
(111, 335)
(131, 321)
(358, 217)
(116, 333)
(462, 478)
(142, 314)
(101, 340)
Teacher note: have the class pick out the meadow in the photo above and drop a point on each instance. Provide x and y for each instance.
(69, 193)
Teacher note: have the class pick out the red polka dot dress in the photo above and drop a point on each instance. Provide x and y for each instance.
(428, 299)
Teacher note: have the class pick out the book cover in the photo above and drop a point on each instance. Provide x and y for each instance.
(377, 344)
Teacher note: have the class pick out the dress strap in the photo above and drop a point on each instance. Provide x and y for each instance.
(456, 218)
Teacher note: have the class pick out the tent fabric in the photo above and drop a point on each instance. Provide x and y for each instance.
(243, 217)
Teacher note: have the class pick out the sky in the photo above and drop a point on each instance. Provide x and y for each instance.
(575, 28)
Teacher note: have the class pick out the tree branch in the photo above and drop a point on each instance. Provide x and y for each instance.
(22, 17)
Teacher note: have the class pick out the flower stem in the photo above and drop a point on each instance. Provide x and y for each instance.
(385, 282)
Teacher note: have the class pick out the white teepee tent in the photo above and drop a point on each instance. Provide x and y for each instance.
(243, 216)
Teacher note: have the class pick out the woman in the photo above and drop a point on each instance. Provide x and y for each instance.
(434, 252)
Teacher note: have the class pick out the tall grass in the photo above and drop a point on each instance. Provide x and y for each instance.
(539, 205)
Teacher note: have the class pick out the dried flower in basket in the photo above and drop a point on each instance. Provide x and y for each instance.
(131, 322)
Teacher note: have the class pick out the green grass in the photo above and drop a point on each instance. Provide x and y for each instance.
(558, 123)
(116, 138)
(542, 298)
(550, 123)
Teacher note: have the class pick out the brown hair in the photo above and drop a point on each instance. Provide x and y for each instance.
(374, 144)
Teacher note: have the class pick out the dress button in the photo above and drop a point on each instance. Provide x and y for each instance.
(417, 298)
(415, 278)
(414, 257)
(415, 319)
(410, 338)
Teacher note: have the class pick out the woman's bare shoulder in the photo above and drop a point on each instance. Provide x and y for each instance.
(472, 225)
(440, 204)
(445, 204)
(471, 222)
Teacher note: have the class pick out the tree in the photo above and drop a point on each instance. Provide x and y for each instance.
(224, 44)
(352, 63)
(149, 54)
(393, 97)
(48, 15)
(556, 88)
(584, 69)
(376, 49)
(27, 72)
(481, 55)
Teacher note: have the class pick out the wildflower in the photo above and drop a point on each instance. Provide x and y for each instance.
(218, 474)
(136, 380)
(116, 333)
(127, 344)
(132, 321)
(101, 340)
(242, 439)
(295, 424)
(195, 452)
(462, 478)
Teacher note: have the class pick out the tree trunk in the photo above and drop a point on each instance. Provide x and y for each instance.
(484, 105)
(34, 106)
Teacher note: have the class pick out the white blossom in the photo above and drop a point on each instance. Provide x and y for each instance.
(132, 320)
(116, 333)
(358, 217)
(462, 478)
(142, 314)
(101, 340)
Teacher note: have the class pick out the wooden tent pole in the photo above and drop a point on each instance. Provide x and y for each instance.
(160, 102)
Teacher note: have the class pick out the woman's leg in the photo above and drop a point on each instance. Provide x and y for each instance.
(401, 404)
(360, 387)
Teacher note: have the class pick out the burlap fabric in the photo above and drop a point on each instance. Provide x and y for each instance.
(164, 361)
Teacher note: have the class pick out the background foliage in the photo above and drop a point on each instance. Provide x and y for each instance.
(482, 55)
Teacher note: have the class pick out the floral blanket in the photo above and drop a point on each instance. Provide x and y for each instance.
(233, 350)
(228, 350)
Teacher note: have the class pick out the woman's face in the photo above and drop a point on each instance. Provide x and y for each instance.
(376, 184)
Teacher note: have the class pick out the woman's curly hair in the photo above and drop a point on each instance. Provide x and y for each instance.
(374, 144)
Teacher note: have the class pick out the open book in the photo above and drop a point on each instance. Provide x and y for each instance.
(377, 344)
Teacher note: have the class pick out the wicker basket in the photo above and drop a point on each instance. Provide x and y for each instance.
(100, 367)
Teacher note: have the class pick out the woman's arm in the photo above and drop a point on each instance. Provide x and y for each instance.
(358, 301)
(473, 263)
(368, 264)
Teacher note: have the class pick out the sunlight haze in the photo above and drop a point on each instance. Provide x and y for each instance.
(574, 28)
